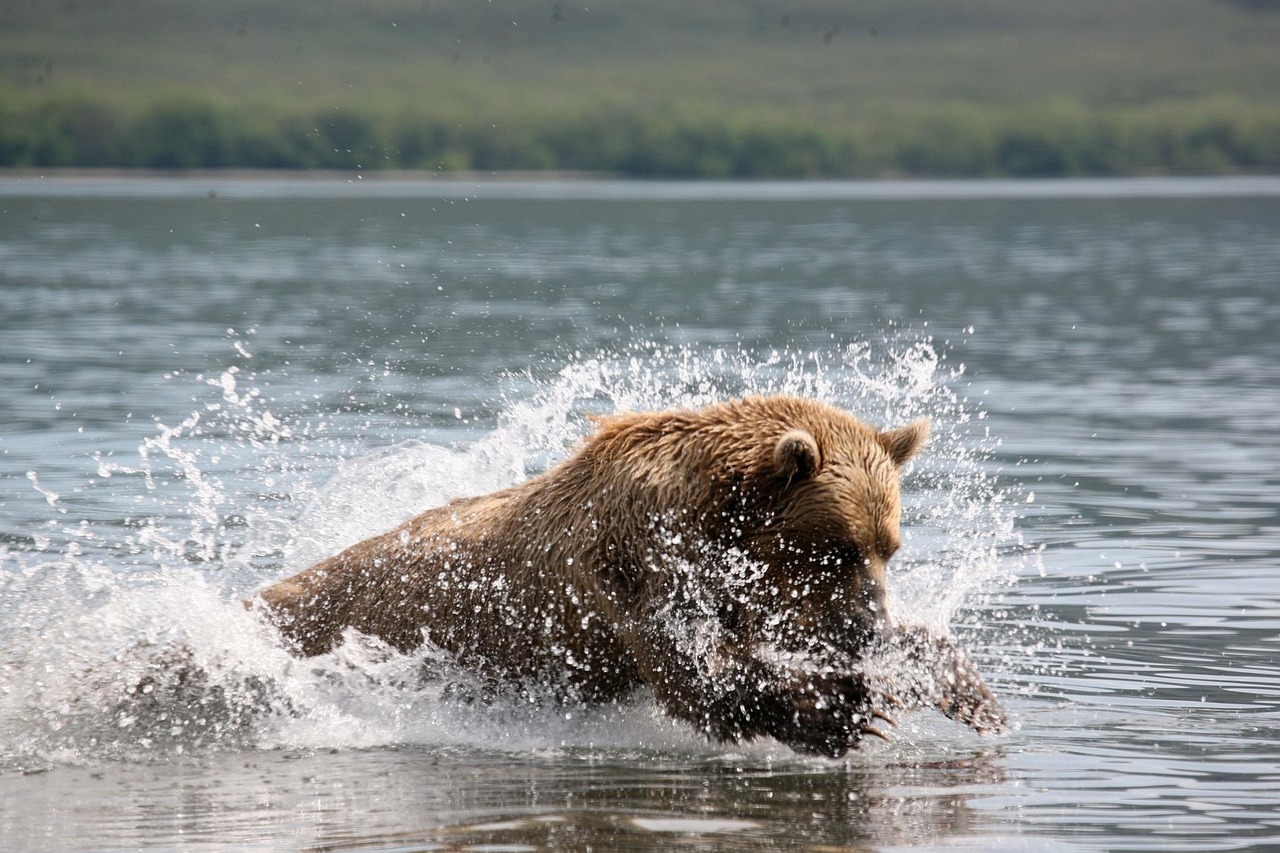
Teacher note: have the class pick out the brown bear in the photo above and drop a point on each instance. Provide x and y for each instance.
(731, 558)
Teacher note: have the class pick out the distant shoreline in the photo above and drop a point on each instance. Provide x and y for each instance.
(249, 183)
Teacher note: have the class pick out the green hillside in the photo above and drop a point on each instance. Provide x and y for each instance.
(647, 87)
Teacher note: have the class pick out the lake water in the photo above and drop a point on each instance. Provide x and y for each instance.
(210, 383)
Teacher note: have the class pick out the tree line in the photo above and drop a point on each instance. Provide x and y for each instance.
(950, 141)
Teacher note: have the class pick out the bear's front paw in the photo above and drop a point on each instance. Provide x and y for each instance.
(965, 696)
(927, 669)
(971, 702)
(827, 714)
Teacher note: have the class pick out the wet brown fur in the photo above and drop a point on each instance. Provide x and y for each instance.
(568, 578)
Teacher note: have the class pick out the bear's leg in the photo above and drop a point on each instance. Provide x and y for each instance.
(922, 669)
(313, 607)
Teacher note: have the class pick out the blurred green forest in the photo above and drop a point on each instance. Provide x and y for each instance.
(646, 88)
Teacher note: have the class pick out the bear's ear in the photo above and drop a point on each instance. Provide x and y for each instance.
(904, 442)
(796, 455)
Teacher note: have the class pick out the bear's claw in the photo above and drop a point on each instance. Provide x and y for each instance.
(880, 715)
(872, 730)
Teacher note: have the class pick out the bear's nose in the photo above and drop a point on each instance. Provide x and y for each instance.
(876, 600)
(874, 593)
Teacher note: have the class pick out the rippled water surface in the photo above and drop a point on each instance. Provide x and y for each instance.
(209, 384)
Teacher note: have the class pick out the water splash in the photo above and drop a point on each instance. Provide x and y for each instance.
(129, 640)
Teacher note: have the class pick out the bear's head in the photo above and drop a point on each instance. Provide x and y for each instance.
(826, 523)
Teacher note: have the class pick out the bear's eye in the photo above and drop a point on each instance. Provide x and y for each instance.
(846, 556)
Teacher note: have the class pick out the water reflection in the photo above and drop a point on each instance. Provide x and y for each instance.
(417, 799)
